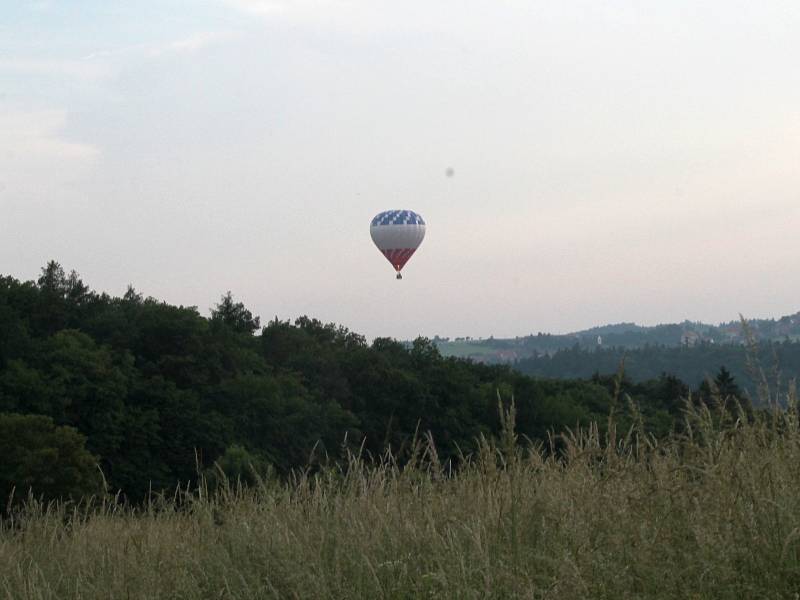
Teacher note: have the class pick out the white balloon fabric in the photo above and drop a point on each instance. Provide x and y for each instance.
(397, 234)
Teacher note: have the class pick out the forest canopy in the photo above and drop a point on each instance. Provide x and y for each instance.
(155, 394)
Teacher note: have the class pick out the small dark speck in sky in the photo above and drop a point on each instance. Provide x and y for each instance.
(449, 171)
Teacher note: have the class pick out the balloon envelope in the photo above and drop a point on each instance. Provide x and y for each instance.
(397, 234)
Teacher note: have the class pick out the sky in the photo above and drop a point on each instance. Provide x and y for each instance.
(611, 161)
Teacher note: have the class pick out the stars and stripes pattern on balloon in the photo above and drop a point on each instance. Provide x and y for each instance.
(397, 217)
(397, 234)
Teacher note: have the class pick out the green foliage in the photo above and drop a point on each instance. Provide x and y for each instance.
(234, 315)
(163, 393)
(44, 460)
(780, 361)
(238, 465)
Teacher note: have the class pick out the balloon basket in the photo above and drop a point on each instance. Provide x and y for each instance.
(399, 276)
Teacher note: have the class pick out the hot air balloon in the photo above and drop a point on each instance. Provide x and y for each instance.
(397, 234)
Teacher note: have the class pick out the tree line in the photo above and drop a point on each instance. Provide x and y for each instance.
(776, 362)
(133, 395)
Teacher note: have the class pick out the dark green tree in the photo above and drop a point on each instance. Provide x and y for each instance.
(48, 461)
(723, 392)
(235, 315)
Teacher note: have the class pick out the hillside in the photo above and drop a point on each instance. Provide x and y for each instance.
(775, 362)
(621, 336)
(155, 394)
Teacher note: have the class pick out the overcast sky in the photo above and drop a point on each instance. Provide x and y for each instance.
(613, 161)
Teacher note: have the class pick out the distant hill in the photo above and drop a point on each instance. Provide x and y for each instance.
(773, 362)
(626, 336)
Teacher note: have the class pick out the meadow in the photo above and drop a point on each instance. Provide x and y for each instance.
(712, 512)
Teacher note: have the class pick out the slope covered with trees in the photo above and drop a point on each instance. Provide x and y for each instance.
(775, 362)
(155, 394)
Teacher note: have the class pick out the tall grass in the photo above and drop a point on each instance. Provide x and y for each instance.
(714, 513)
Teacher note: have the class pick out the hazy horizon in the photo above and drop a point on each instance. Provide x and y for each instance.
(611, 163)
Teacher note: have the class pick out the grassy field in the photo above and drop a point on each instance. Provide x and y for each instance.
(463, 349)
(714, 513)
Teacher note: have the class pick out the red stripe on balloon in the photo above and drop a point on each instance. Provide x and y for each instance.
(398, 256)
